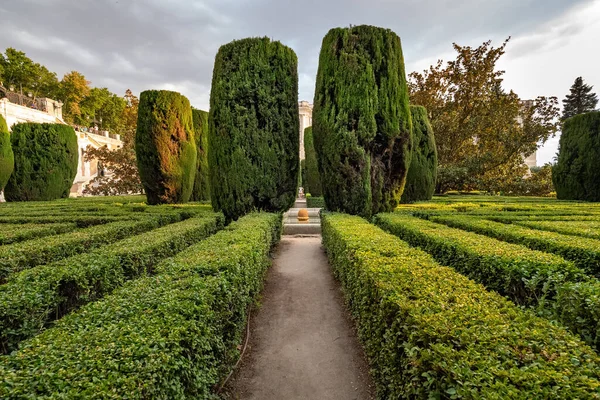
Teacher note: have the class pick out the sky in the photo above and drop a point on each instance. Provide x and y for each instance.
(171, 44)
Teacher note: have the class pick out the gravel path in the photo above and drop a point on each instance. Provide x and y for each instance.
(302, 344)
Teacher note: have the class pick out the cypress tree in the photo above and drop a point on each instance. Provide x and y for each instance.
(313, 180)
(253, 128)
(422, 173)
(7, 157)
(201, 190)
(361, 120)
(580, 100)
(45, 162)
(576, 175)
(165, 146)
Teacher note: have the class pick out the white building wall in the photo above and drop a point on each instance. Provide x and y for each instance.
(305, 109)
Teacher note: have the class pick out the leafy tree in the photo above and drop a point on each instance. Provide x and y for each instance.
(46, 158)
(580, 100)
(481, 130)
(7, 157)
(361, 120)
(122, 176)
(576, 174)
(312, 180)
(201, 190)
(422, 173)
(165, 146)
(102, 104)
(253, 128)
(20, 71)
(74, 88)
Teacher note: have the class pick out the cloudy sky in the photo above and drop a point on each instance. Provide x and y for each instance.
(171, 44)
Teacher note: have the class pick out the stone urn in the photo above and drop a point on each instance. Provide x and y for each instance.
(303, 215)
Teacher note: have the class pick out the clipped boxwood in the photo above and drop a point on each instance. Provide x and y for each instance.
(165, 146)
(33, 298)
(170, 336)
(361, 120)
(576, 175)
(201, 190)
(422, 173)
(312, 180)
(430, 332)
(13, 233)
(7, 157)
(253, 128)
(46, 157)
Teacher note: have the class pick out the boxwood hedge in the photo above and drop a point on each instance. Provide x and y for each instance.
(172, 335)
(430, 332)
(12, 233)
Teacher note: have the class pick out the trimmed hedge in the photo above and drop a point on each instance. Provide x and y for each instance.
(19, 256)
(253, 128)
(361, 120)
(589, 229)
(312, 180)
(576, 175)
(165, 146)
(12, 233)
(46, 157)
(174, 335)
(7, 157)
(422, 173)
(201, 190)
(584, 252)
(81, 222)
(315, 202)
(430, 332)
(33, 298)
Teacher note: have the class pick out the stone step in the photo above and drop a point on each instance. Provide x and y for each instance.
(300, 203)
(293, 212)
(302, 229)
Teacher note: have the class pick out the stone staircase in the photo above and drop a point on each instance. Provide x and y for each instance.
(291, 225)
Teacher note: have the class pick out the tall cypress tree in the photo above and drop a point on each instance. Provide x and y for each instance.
(580, 100)
(422, 173)
(201, 190)
(311, 180)
(253, 128)
(361, 120)
(165, 146)
(7, 157)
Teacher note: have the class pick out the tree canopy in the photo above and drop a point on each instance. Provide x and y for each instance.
(580, 99)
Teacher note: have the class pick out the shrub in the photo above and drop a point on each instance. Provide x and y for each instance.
(312, 181)
(7, 157)
(422, 173)
(361, 120)
(165, 146)
(576, 175)
(173, 335)
(46, 157)
(12, 233)
(201, 190)
(34, 297)
(253, 128)
(314, 202)
(430, 332)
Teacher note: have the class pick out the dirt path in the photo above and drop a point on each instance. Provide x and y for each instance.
(302, 344)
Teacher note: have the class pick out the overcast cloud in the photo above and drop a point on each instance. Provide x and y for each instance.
(171, 44)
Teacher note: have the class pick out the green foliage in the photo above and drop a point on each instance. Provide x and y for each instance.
(25, 75)
(312, 181)
(253, 128)
(7, 157)
(19, 256)
(422, 173)
(35, 297)
(430, 332)
(46, 158)
(13, 233)
(361, 120)
(173, 335)
(201, 190)
(314, 202)
(165, 146)
(580, 100)
(576, 174)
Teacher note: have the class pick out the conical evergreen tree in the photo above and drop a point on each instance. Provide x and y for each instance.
(7, 157)
(581, 99)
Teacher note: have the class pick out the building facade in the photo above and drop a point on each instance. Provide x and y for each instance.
(305, 121)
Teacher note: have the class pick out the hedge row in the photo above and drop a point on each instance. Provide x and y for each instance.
(315, 202)
(19, 256)
(589, 229)
(173, 335)
(34, 297)
(509, 219)
(12, 233)
(561, 291)
(430, 332)
(584, 252)
(81, 222)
